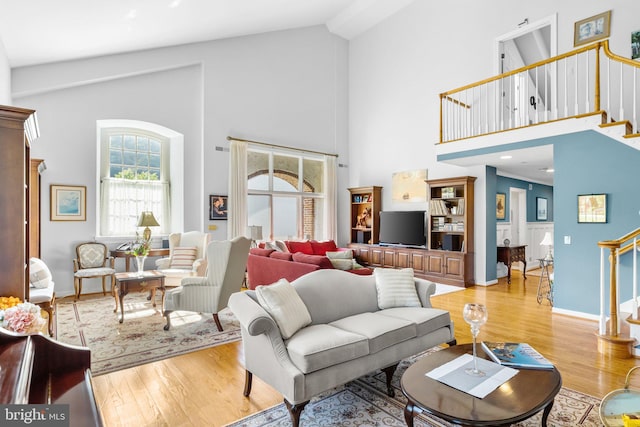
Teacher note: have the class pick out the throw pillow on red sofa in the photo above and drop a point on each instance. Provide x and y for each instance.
(304, 247)
(321, 248)
(319, 260)
(260, 251)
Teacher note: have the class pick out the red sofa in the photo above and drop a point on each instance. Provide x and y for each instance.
(267, 266)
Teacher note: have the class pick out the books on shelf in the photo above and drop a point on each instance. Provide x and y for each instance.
(516, 355)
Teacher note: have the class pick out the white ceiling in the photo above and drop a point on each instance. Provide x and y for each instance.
(42, 31)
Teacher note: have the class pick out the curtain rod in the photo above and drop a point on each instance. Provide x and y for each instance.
(231, 138)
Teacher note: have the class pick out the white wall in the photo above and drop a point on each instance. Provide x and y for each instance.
(398, 69)
(283, 87)
(5, 77)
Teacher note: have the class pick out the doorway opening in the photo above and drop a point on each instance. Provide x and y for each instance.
(527, 92)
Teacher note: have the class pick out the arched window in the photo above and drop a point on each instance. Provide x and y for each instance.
(136, 164)
(286, 194)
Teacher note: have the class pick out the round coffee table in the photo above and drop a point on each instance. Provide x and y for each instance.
(524, 395)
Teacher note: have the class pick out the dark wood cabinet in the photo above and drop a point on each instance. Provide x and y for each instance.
(18, 129)
(449, 257)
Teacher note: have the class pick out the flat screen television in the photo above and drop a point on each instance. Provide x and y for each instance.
(403, 228)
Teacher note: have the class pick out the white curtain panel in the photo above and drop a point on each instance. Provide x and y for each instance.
(331, 193)
(123, 200)
(237, 201)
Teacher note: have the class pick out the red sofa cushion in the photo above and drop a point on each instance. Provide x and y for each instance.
(263, 270)
(304, 247)
(321, 248)
(282, 255)
(319, 260)
(362, 271)
(260, 252)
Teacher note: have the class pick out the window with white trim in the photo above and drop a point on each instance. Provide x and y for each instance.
(286, 194)
(134, 177)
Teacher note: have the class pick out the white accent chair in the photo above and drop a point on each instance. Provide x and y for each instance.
(92, 260)
(226, 266)
(42, 289)
(194, 239)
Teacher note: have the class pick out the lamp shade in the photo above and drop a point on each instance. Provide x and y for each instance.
(255, 232)
(147, 220)
(547, 240)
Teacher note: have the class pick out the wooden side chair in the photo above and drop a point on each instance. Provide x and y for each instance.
(92, 261)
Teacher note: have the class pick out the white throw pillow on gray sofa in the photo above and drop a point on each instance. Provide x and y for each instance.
(286, 307)
(396, 288)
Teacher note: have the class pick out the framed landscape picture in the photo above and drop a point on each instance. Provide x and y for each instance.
(592, 208)
(218, 207)
(68, 202)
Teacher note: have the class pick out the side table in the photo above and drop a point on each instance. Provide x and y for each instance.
(524, 395)
(150, 279)
(510, 254)
(127, 256)
(545, 285)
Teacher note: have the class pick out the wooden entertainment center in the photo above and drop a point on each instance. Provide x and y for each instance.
(449, 256)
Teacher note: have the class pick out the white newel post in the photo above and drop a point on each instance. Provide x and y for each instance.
(603, 321)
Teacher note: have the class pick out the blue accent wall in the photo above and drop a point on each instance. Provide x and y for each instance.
(538, 190)
(591, 163)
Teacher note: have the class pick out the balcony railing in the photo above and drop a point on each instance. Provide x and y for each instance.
(578, 83)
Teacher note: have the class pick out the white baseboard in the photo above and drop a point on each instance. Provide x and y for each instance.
(572, 313)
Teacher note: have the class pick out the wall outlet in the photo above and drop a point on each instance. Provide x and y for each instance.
(567, 240)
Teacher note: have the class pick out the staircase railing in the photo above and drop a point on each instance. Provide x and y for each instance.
(575, 84)
(616, 248)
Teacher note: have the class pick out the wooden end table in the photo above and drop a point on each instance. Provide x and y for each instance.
(157, 252)
(150, 279)
(524, 395)
(510, 254)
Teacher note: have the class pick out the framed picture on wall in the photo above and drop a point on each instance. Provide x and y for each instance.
(592, 208)
(501, 206)
(68, 202)
(218, 207)
(594, 28)
(541, 209)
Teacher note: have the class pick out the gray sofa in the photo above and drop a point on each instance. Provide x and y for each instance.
(349, 336)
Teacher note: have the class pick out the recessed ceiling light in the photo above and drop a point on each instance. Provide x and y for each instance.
(175, 3)
(550, 170)
(506, 157)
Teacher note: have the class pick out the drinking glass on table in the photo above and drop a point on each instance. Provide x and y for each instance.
(476, 316)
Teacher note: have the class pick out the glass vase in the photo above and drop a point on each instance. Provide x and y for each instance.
(140, 263)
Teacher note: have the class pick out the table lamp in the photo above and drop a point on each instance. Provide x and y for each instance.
(547, 241)
(255, 233)
(147, 220)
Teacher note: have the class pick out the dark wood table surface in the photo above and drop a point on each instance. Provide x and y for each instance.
(511, 254)
(524, 395)
(150, 279)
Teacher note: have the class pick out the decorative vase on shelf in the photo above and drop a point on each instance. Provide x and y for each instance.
(140, 264)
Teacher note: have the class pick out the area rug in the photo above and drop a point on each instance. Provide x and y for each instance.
(141, 338)
(364, 402)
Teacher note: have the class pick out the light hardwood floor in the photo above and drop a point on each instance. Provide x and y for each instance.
(204, 388)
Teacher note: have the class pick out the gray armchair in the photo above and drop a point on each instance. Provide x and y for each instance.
(226, 266)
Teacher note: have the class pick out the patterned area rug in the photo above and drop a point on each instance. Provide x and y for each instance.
(364, 402)
(141, 338)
